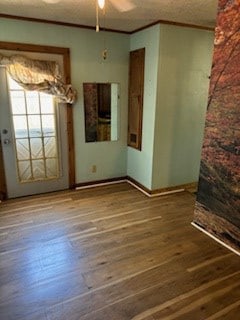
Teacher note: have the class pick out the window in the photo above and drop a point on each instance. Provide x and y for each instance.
(34, 132)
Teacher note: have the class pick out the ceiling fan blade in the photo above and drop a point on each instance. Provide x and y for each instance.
(123, 5)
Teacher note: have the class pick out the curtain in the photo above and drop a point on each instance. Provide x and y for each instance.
(39, 75)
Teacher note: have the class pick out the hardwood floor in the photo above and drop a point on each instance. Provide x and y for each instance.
(111, 253)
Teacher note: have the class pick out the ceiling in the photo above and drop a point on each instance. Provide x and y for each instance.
(145, 12)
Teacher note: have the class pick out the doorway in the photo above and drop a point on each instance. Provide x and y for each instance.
(33, 141)
(36, 135)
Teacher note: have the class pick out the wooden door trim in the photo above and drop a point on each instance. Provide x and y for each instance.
(140, 71)
(65, 52)
(3, 189)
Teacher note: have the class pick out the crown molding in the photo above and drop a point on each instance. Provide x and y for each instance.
(81, 26)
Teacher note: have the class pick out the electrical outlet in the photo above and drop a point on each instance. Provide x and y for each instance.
(94, 168)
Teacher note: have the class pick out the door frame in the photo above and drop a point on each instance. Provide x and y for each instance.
(65, 53)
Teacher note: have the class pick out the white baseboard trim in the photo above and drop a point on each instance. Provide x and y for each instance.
(216, 239)
(166, 192)
(100, 184)
(154, 194)
(133, 184)
(137, 187)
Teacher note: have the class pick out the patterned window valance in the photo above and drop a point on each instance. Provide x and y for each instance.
(39, 75)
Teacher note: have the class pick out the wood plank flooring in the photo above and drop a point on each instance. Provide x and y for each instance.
(111, 253)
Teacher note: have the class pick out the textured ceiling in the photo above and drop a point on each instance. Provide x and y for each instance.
(82, 12)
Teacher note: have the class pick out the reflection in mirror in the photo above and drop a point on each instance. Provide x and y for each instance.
(101, 111)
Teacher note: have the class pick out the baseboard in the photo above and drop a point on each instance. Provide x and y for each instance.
(215, 238)
(98, 183)
(137, 185)
(163, 191)
(184, 187)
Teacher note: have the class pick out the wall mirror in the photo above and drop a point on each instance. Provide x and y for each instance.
(101, 108)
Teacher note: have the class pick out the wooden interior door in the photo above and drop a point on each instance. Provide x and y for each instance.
(136, 90)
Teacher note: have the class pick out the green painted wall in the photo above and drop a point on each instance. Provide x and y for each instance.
(140, 163)
(184, 67)
(86, 66)
(177, 66)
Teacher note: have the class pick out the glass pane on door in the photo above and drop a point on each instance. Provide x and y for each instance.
(35, 134)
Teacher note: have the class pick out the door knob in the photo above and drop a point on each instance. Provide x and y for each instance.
(6, 141)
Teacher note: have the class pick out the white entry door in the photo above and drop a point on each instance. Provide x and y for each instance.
(33, 138)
